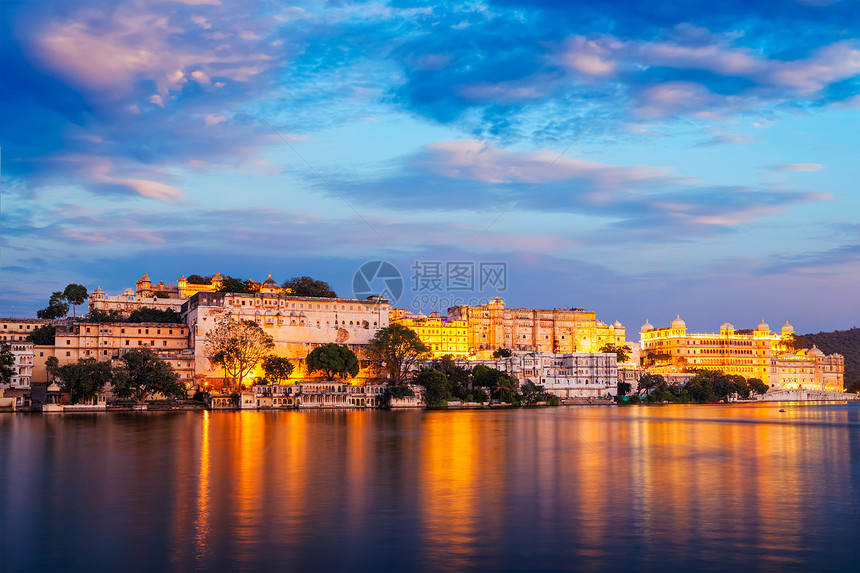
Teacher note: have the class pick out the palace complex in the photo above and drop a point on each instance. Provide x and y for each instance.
(297, 324)
(560, 330)
(558, 349)
(752, 353)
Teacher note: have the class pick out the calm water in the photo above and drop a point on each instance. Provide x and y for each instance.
(674, 488)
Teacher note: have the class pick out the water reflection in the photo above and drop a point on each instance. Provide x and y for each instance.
(662, 488)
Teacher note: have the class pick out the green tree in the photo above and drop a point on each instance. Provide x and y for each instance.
(236, 285)
(437, 387)
(333, 360)
(479, 395)
(458, 375)
(52, 367)
(98, 315)
(57, 307)
(622, 352)
(144, 374)
(649, 382)
(237, 346)
(75, 294)
(501, 353)
(756, 385)
(624, 388)
(147, 314)
(306, 286)
(198, 280)
(84, 379)
(161, 294)
(277, 368)
(7, 361)
(43, 335)
(396, 348)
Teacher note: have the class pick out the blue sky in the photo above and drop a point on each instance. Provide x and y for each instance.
(633, 158)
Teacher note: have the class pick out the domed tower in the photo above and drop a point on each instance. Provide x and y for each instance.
(181, 285)
(144, 285)
(678, 324)
(647, 327)
(787, 329)
(269, 285)
(217, 281)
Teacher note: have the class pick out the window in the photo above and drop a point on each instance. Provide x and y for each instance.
(170, 331)
(164, 343)
(105, 352)
(68, 353)
(158, 331)
(41, 354)
(122, 330)
(68, 342)
(126, 342)
(88, 330)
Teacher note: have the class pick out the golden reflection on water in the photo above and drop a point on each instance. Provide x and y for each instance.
(575, 482)
(450, 488)
(201, 524)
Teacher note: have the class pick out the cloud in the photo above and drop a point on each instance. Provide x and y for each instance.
(796, 168)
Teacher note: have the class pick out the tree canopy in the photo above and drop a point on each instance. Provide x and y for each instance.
(333, 360)
(7, 360)
(277, 368)
(396, 348)
(75, 294)
(84, 379)
(237, 285)
(501, 353)
(146, 314)
(57, 307)
(622, 352)
(306, 286)
(43, 335)
(143, 374)
(237, 346)
(198, 280)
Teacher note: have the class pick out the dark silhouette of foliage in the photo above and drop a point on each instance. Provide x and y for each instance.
(277, 368)
(43, 335)
(57, 307)
(844, 342)
(147, 314)
(306, 286)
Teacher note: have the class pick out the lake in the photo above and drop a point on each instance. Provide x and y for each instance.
(660, 488)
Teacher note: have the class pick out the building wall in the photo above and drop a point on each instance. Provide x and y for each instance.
(567, 375)
(296, 324)
(129, 301)
(12, 329)
(443, 337)
(22, 354)
(109, 341)
(559, 330)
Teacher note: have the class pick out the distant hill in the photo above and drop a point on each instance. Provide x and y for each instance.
(844, 342)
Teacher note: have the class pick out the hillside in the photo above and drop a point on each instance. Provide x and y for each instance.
(844, 342)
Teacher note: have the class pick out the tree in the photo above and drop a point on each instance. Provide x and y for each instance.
(198, 280)
(277, 368)
(757, 386)
(458, 375)
(43, 335)
(624, 388)
(52, 367)
(161, 294)
(501, 353)
(98, 315)
(437, 387)
(396, 348)
(649, 382)
(146, 314)
(237, 347)
(75, 294)
(84, 379)
(306, 286)
(622, 352)
(144, 374)
(57, 307)
(7, 361)
(232, 284)
(332, 360)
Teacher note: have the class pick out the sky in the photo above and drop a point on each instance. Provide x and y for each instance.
(638, 159)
